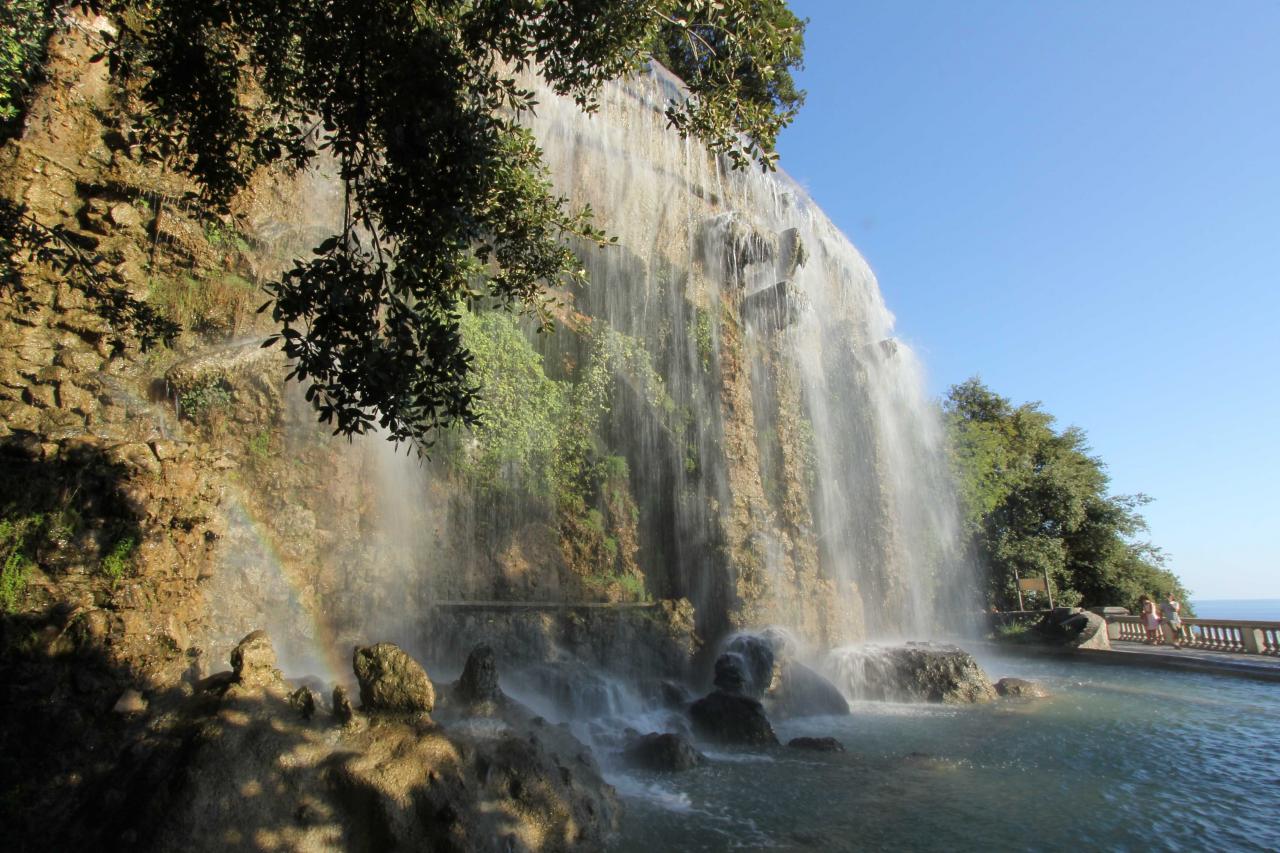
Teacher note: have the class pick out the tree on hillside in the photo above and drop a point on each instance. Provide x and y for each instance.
(1035, 502)
(735, 79)
(446, 196)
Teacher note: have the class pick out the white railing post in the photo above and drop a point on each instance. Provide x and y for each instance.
(1252, 641)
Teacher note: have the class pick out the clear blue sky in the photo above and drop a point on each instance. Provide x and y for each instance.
(1079, 202)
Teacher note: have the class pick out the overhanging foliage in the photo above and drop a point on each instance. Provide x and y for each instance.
(447, 197)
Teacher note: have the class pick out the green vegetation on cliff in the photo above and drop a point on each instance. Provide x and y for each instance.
(18, 539)
(1035, 502)
(24, 26)
(542, 437)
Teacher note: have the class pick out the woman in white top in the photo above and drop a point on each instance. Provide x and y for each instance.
(1150, 620)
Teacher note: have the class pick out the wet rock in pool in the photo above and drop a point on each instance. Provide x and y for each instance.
(746, 666)
(390, 680)
(816, 744)
(916, 672)
(801, 692)
(731, 674)
(1018, 688)
(764, 666)
(479, 681)
(730, 718)
(663, 752)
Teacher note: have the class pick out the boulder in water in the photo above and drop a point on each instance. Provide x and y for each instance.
(730, 718)
(746, 666)
(764, 666)
(1072, 627)
(390, 680)
(662, 752)
(801, 692)
(916, 672)
(479, 681)
(1018, 688)
(254, 661)
(816, 744)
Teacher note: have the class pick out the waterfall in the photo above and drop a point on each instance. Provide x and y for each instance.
(763, 446)
(802, 478)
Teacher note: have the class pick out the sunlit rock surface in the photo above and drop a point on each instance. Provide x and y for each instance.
(918, 672)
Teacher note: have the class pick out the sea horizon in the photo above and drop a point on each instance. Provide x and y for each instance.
(1249, 609)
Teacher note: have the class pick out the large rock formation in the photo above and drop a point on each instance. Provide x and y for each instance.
(662, 752)
(244, 770)
(479, 680)
(764, 666)
(732, 719)
(390, 680)
(916, 672)
(1071, 627)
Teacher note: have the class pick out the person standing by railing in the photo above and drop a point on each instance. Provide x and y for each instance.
(1171, 613)
(1150, 620)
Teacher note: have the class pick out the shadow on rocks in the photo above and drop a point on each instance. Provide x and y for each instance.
(241, 760)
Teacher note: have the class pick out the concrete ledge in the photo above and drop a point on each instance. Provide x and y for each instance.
(511, 606)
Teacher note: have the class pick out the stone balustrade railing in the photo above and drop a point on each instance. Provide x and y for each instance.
(1219, 635)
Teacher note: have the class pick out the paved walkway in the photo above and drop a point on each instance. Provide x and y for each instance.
(1201, 660)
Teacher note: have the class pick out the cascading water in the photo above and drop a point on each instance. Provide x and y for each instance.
(801, 479)
(774, 457)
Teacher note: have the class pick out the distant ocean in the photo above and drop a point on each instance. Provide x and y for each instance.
(1259, 609)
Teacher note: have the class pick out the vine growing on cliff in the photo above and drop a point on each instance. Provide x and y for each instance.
(447, 198)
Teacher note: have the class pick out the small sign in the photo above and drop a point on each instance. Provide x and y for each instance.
(1032, 585)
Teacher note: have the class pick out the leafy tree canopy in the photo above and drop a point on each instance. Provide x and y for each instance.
(447, 198)
(1035, 502)
(737, 65)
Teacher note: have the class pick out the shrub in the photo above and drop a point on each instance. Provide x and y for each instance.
(120, 559)
(219, 304)
(200, 401)
(24, 27)
(260, 446)
(633, 587)
(18, 538)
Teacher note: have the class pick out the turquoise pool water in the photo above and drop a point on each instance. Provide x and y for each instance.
(1117, 759)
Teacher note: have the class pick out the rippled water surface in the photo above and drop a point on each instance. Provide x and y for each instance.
(1117, 759)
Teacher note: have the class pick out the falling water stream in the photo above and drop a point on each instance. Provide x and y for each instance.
(818, 448)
